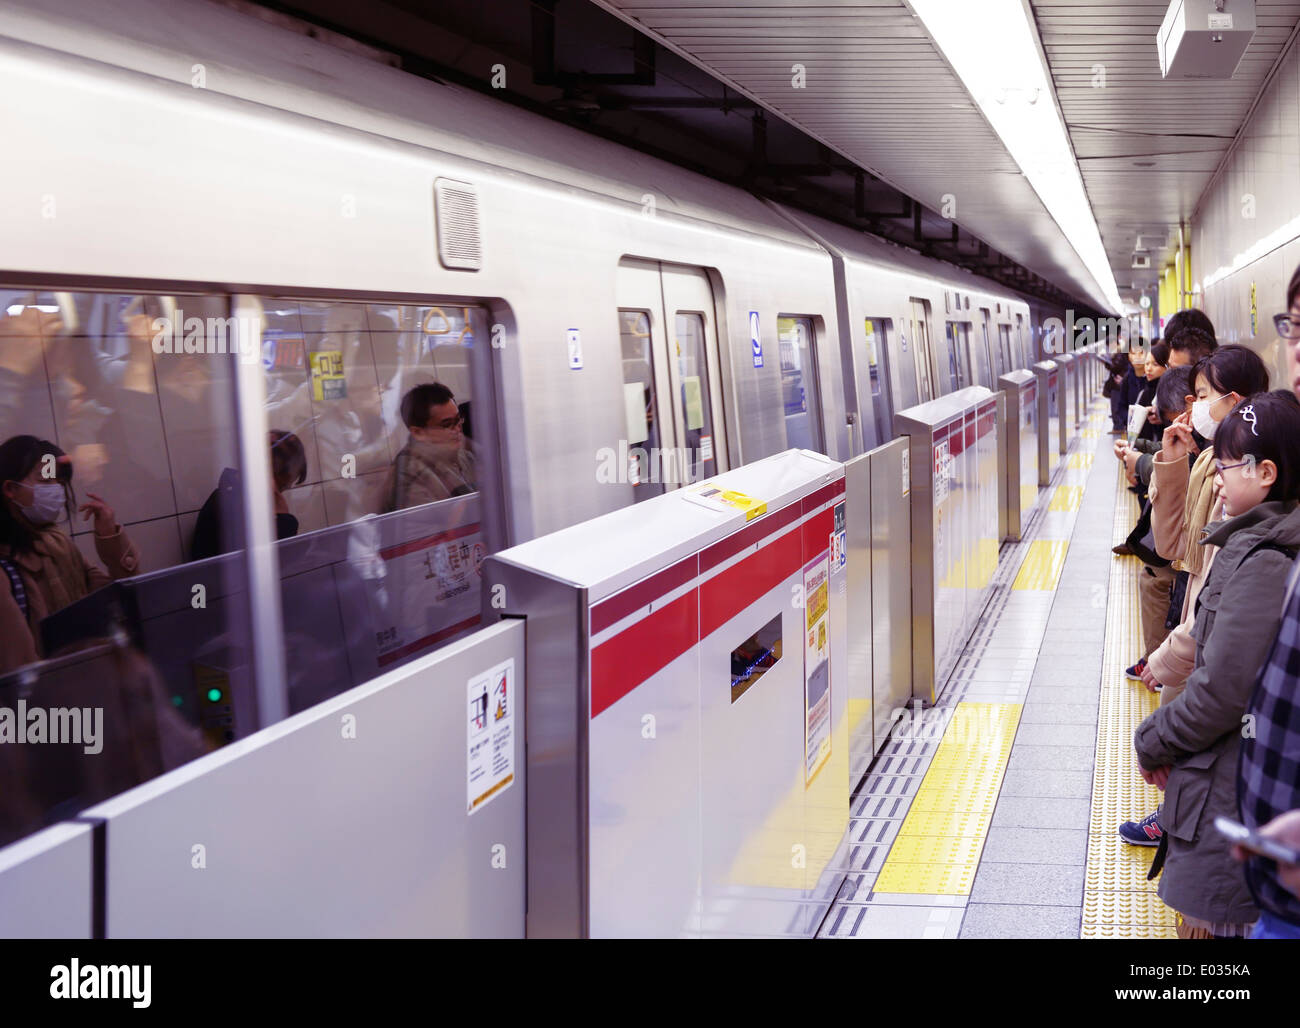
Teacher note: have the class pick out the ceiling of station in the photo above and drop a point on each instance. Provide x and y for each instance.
(1147, 147)
(878, 90)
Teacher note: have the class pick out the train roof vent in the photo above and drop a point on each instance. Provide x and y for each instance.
(456, 209)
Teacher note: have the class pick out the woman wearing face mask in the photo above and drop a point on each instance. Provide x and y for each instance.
(41, 569)
(1184, 501)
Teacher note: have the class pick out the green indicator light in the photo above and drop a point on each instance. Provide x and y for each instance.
(214, 695)
(177, 701)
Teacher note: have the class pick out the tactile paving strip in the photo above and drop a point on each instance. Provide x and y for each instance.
(937, 850)
(1118, 901)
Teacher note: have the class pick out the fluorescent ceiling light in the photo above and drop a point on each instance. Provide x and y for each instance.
(993, 46)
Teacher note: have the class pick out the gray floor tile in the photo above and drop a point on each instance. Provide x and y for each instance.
(1049, 784)
(1021, 884)
(1042, 812)
(1039, 734)
(1035, 846)
(1038, 712)
(1051, 758)
(1006, 921)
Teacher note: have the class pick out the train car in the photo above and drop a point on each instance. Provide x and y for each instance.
(231, 230)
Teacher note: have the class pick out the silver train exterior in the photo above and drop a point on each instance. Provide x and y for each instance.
(184, 148)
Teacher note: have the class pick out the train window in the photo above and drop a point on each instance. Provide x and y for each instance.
(1022, 354)
(697, 406)
(799, 384)
(639, 400)
(990, 372)
(877, 339)
(922, 351)
(118, 426)
(1004, 338)
(387, 488)
(960, 373)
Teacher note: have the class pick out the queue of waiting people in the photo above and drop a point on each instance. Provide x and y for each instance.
(1218, 536)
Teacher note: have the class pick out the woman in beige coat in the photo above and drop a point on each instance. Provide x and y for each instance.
(41, 569)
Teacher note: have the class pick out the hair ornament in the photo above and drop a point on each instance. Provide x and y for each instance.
(1248, 416)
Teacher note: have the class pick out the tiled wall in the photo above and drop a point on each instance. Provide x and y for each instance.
(152, 432)
(1262, 178)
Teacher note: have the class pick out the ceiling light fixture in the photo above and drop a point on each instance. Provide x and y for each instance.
(1008, 92)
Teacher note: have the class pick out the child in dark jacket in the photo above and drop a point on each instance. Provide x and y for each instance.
(1190, 746)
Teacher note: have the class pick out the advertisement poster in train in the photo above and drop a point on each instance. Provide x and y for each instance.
(817, 666)
(490, 738)
(428, 593)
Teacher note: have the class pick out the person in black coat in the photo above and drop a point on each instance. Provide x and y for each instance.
(218, 528)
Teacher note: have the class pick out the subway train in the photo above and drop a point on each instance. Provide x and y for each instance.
(219, 228)
(579, 294)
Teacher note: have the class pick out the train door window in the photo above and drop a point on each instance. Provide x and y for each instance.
(389, 488)
(639, 400)
(696, 396)
(124, 402)
(694, 372)
(1022, 354)
(671, 377)
(960, 372)
(1004, 338)
(877, 339)
(922, 351)
(987, 350)
(800, 395)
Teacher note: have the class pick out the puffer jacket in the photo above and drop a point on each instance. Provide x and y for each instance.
(1199, 734)
(55, 574)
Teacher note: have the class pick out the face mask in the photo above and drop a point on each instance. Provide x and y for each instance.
(1201, 419)
(47, 503)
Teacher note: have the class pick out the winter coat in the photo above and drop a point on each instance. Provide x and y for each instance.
(1199, 734)
(423, 473)
(54, 575)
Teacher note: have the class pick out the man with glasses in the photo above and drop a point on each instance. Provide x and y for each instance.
(436, 463)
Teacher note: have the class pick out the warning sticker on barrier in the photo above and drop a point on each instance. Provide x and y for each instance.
(817, 667)
(839, 541)
(491, 734)
(725, 500)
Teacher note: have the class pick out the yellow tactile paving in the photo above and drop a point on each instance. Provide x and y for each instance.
(1066, 498)
(1079, 462)
(1119, 902)
(1042, 565)
(938, 846)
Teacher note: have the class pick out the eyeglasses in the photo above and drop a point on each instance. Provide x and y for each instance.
(1219, 468)
(450, 423)
(1288, 327)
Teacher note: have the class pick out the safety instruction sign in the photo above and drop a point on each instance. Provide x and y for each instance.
(839, 541)
(817, 667)
(756, 338)
(491, 738)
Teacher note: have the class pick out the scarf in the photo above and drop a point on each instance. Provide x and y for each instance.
(1202, 506)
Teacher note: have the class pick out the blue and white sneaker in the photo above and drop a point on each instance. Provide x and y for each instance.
(1146, 832)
